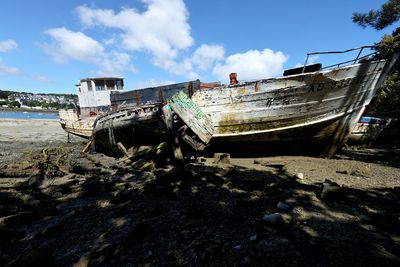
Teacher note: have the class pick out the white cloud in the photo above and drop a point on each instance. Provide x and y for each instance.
(67, 44)
(151, 83)
(72, 45)
(207, 55)
(162, 29)
(41, 79)
(10, 70)
(8, 45)
(115, 63)
(253, 64)
(202, 59)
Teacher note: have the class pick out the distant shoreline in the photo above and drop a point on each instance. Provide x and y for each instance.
(29, 110)
(26, 120)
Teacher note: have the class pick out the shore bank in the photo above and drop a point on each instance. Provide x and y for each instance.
(63, 208)
(29, 110)
(31, 130)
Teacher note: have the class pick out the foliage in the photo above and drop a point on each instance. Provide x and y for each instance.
(389, 44)
(386, 102)
(379, 19)
(14, 104)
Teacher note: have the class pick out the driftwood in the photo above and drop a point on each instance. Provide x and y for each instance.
(192, 116)
(87, 146)
(122, 148)
(173, 134)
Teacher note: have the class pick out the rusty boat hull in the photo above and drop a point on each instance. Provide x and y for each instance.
(319, 107)
(315, 109)
(76, 125)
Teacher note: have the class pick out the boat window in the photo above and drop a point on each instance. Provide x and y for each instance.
(89, 85)
(110, 84)
(120, 84)
(100, 85)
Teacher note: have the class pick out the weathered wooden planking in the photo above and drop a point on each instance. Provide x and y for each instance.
(152, 95)
(192, 116)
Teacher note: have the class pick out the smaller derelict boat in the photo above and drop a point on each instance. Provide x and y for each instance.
(94, 100)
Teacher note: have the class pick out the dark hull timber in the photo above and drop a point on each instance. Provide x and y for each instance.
(320, 107)
(308, 110)
(130, 127)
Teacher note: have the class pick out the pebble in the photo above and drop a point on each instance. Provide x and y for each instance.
(284, 206)
(274, 219)
(238, 247)
(253, 237)
(299, 176)
(330, 191)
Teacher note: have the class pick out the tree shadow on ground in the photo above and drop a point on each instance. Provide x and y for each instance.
(386, 156)
(206, 215)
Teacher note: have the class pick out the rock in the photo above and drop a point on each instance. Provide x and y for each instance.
(83, 166)
(33, 257)
(299, 176)
(142, 231)
(20, 218)
(222, 158)
(284, 206)
(83, 261)
(238, 247)
(121, 196)
(395, 193)
(278, 166)
(275, 219)
(343, 171)
(50, 230)
(363, 171)
(7, 234)
(330, 190)
(101, 254)
(35, 179)
(148, 166)
(253, 238)
(210, 185)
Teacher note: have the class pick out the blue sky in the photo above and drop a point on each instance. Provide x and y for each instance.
(47, 46)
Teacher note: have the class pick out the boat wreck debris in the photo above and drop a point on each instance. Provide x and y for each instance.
(367, 130)
(309, 107)
(94, 100)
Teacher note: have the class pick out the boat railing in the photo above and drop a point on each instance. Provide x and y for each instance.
(337, 65)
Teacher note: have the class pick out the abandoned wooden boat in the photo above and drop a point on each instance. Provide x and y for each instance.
(367, 130)
(309, 106)
(137, 117)
(94, 100)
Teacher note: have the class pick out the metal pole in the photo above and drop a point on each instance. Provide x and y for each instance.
(359, 53)
(305, 63)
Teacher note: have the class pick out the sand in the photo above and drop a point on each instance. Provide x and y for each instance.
(59, 207)
(31, 131)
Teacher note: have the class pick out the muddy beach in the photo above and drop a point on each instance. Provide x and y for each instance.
(59, 207)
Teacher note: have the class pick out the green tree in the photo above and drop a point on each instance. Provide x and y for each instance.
(386, 102)
(14, 104)
(379, 19)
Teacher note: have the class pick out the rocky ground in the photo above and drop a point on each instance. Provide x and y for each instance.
(59, 207)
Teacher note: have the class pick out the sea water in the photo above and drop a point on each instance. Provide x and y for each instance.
(27, 115)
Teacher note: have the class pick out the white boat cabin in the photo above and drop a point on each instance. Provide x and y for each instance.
(94, 94)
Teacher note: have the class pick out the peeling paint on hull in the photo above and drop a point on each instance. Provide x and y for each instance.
(299, 107)
(317, 108)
